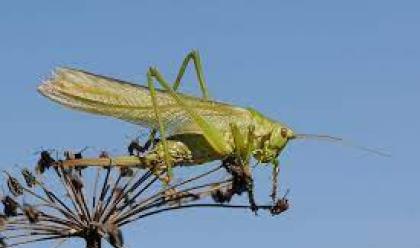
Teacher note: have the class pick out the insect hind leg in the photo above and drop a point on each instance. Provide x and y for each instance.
(193, 56)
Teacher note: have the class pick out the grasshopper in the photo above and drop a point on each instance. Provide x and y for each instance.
(192, 130)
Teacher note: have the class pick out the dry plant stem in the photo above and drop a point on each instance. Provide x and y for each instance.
(52, 237)
(137, 184)
(121, 161)
(95, 186)
(134, 209)
(159, 193)
(70, 192)
(202, 205)
(78, 196)
(133, 216)
(93, 241)
(148, 204)
(98, 207)
(67, 212)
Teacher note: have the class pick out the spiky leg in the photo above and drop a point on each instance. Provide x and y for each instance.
(213, 136)
(166, 156)
(243, 149)
(195, 57)
(275, 175)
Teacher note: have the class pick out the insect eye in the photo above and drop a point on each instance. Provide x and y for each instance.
(283, 132)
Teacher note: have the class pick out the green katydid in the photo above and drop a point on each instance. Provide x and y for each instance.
(193, 130)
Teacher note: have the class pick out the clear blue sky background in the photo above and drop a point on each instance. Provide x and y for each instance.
(347, 68)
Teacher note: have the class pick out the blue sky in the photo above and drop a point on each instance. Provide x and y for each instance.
(346, 68)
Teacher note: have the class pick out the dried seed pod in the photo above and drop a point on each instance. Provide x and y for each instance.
(31, 213)
(14, 186)
(30, 179)
(44, 162)
(170, 194)
(10, 206)
(173, 197)
(280, 206)
(126, 172)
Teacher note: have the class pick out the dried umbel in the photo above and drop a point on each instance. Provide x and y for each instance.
(94, 204)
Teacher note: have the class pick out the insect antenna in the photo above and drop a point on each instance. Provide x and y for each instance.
(342, 141)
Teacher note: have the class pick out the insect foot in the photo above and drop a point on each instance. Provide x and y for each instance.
(280, 206)
(135, 149)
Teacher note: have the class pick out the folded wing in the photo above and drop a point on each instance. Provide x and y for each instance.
(106, 96)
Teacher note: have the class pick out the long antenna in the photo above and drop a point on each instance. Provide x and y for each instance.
(341, 141)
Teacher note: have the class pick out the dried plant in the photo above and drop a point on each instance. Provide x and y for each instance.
(95, 203)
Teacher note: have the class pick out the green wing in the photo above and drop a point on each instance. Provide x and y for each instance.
(102, 95)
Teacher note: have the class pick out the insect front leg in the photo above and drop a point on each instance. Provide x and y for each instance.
(275, 176)
(243, 149)
(238, 165)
